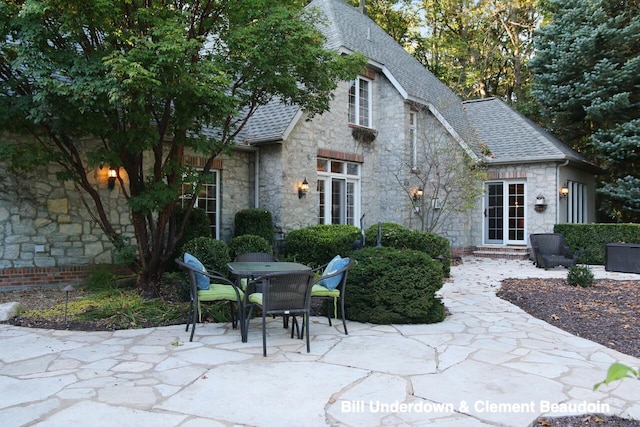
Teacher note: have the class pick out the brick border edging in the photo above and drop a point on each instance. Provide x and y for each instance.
(17, 278)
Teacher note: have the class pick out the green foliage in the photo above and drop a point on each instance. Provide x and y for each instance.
(249, 243)
(479, 49)
(580, 275)
(585, 79)
(115, 309)
(592, 238)
(214, 254)
(124, 252)
(254, 221)
(388, 285)
(618, 371)
(198, 225)
(399, 237)
(100, 279)
(141, 80)
(318, 244)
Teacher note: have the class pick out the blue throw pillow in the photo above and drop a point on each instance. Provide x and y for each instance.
(202, 281)
(334, 265)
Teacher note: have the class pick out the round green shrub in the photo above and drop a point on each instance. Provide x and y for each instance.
(318, 244)
(580, 275)
(198, 225)
(249, 243)
(254, 221)
(388, 285)
(397, 236)
(214, 254)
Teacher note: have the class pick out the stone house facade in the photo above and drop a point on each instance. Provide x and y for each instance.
(362, 157)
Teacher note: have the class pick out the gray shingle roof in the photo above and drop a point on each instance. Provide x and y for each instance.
(348, 28)
(512, 138)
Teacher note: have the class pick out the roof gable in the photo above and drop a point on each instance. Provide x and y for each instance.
(349, 30)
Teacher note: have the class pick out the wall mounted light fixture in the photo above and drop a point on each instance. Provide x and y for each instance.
(417, 197)
(564, 190)
(541, 203)
(112, 178)
(303, 189)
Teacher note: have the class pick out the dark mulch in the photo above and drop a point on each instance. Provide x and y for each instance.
(608, 312)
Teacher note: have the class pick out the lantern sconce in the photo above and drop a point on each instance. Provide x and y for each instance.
(111, 183)
(417, 199)
(564, 191)
(541, 204)
(303, 189)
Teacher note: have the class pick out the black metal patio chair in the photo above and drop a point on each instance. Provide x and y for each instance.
(220, 289)
(550, 250)
(333, 292)
(281, 294)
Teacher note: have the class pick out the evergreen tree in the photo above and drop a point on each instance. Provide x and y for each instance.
(587, 81)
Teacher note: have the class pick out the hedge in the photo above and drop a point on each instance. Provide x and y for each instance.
(318, 244)
(399, 237)
(592, 238)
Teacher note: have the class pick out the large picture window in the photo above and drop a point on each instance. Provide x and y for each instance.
(206, 199)
(338, 192)
(360, 102)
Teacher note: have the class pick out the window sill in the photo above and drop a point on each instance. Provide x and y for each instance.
(363, 134)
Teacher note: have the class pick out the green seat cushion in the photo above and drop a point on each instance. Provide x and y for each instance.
(322, 291)
(217, 292)
(256, 298)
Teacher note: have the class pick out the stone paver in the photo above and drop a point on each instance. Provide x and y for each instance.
(487, 364)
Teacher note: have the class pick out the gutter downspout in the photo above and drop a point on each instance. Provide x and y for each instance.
(566, 162)
(256, 181)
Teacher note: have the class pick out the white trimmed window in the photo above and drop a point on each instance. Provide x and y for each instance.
(338, 192)
(360, 102)
(413, 141)
(206, 199)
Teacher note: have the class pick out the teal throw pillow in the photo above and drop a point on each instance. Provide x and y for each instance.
(334, 265)
(202, 281)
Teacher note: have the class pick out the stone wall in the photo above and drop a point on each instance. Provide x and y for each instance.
(386, 176)
(43, 222)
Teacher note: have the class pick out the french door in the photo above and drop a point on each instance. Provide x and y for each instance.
(504, 213)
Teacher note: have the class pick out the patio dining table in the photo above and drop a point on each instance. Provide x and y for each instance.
(253, 269)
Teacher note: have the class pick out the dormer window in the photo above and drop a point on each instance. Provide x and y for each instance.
(360, 102)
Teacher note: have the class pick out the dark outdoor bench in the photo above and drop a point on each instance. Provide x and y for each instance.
(622, 257)
(550, 250)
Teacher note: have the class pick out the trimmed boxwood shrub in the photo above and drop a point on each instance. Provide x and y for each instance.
(249, 243)
(388, 285)
(198, 225)
(399, 237)
(318, 244)
(254, 221)
(214, 254)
